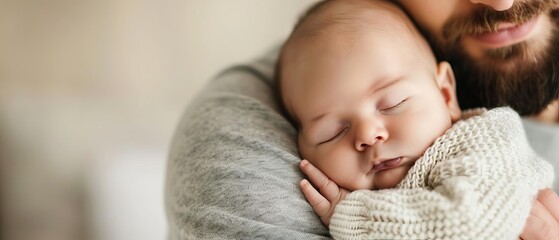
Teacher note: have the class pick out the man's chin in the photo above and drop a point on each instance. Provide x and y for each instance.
(502, 67)
(524, 85)
(523, 76)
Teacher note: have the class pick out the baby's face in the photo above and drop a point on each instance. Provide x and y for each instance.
(368, 106)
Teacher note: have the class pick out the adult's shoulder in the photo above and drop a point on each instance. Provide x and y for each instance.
(544, 138)
(233, 165)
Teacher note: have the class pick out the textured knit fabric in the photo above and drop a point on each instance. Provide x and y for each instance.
(477, 181)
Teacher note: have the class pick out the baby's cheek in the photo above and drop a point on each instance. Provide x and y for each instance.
(304, 149)
(340, 168)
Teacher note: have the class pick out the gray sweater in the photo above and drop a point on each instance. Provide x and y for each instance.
(544, 139)
(232, 170)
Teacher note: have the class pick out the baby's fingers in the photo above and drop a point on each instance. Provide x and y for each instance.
(320, 204)
(327, 187)
(550, 201)
(540, 224)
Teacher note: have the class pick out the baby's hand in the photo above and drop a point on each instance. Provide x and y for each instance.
(325, 201)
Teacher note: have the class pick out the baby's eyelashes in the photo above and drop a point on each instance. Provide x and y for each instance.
(337, 135)
(393, 108)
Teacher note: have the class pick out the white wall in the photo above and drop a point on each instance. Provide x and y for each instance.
(85, 82)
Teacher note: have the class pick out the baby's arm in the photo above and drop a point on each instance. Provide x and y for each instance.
(450, 211)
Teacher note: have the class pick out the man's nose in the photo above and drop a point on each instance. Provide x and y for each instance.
(368, 133)
(498, 5)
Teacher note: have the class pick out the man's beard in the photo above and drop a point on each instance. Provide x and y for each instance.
(528, 85)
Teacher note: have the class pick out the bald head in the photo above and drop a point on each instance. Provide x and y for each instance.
(335, 25)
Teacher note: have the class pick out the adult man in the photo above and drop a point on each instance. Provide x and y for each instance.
(233, 167)
(504, 51)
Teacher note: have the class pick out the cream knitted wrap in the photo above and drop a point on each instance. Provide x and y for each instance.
(477, 181)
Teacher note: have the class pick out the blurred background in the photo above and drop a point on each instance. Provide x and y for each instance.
(90, 93)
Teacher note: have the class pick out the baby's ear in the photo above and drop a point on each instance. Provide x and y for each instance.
(447, 85)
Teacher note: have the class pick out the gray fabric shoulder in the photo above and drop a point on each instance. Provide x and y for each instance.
(232, 169)
(544, 138)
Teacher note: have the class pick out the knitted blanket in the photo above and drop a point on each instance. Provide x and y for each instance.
(477, 181)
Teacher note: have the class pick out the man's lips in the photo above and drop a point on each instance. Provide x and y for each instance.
(506, 34)
(387, 164)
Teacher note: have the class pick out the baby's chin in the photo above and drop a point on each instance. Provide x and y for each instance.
(390, 178)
